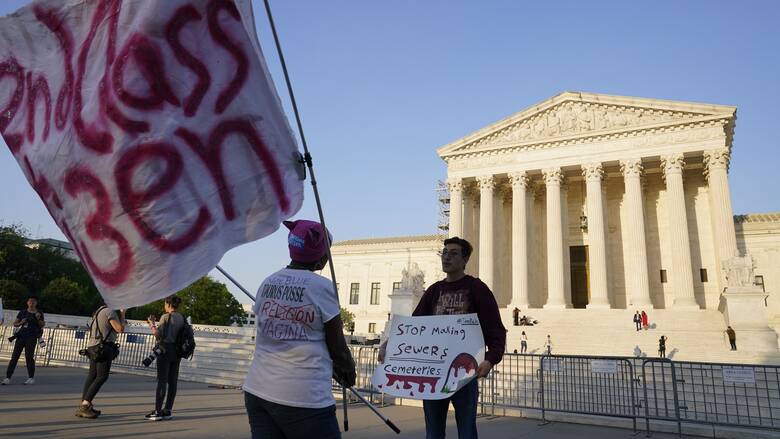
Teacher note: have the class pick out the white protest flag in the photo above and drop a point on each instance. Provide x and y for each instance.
(430, 357)
(152, 132)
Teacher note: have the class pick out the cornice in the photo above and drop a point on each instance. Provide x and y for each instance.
(722, 121)
(655, 106)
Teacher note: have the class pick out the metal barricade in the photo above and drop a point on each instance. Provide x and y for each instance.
(744, 395)
(601, 386)
(668, 391)
(514, 382)
(659, 386)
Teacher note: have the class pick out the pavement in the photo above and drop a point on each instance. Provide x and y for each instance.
(46, 409)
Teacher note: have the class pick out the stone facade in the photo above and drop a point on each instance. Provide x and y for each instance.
(380, 263)
(588, 201)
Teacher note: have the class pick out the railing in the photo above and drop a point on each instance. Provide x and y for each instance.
(652, 390)
(734, 395)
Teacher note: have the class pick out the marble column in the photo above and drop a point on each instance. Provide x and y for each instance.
(455, 187)
(634, 236)
(681, 270)
(519, 182)
(556, 282)
(469, 226)
(716, 164)
(486, 185)
(597, 243)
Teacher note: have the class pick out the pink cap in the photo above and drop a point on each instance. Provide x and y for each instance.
(307, 241)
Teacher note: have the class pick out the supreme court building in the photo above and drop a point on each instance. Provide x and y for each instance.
(586, 201)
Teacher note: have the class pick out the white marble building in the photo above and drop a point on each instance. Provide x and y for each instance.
(587, 201)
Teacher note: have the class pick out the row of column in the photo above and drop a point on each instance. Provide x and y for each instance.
(716, 168)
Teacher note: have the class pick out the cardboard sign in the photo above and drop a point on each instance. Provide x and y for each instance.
(152, 132)
(430, 357)
(742, 375)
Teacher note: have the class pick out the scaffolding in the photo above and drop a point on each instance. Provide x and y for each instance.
(443, 200)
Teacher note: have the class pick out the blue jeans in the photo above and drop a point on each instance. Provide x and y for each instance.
(465, 403)
(269, 420)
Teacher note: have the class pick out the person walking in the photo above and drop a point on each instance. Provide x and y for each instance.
(548, 345)
(106, 324)
(287, 390)
(167, 332)
(732, 338)
(662, 346)
(30, 323)
(638, 320)
(644, 320)
(460, 293)
(516, 316)
(523, 343)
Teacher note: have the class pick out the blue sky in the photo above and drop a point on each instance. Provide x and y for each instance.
(381, 85)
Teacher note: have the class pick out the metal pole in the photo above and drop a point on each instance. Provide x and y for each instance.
(235, 282)
(344, 399)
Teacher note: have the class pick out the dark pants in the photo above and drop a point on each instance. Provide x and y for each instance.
(97, 376)
(268, 420)
(523, 346)
(465, 403)
(167, 378)
(733, 344)
(516, 321)
(28, 344)
(638, 325)
(662, 352)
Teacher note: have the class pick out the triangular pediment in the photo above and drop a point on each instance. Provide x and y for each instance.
(572, 115)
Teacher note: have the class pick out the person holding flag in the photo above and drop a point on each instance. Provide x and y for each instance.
(299, 345)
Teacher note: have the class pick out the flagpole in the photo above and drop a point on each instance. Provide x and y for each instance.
(309, 163)
(235, 282)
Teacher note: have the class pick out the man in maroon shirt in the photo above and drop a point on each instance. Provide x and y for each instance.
(461, 294)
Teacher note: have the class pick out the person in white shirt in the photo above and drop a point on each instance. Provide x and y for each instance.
(548, 345)
(299, 345)
(523, 343)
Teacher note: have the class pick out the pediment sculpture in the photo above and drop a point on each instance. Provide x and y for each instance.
(573, 118)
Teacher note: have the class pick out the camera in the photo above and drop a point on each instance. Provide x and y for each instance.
(156, 352)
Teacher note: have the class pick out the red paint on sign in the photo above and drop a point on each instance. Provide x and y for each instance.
(181, 17)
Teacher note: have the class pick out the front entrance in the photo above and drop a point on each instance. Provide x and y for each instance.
(580, 291)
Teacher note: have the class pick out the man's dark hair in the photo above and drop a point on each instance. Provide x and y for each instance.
(174, 301)
(465, 246)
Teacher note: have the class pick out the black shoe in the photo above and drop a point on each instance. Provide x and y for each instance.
(86, 411)
(154, 415)
(167, 415)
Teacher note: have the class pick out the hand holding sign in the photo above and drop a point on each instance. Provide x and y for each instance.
(431, 357)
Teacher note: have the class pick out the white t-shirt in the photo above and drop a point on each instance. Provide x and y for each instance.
(291, 365)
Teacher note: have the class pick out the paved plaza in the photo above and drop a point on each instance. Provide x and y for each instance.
(202, 411)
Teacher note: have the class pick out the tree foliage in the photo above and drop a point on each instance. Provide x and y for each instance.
(206, 302)
(35, 268)
(13, 294)
(209, 302)
(65, 287)
(63, 296)
(347, 318)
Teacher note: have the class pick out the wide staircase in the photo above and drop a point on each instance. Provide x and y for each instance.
(697, 335)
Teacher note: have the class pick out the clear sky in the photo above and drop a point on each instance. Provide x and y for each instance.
(381, 85)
